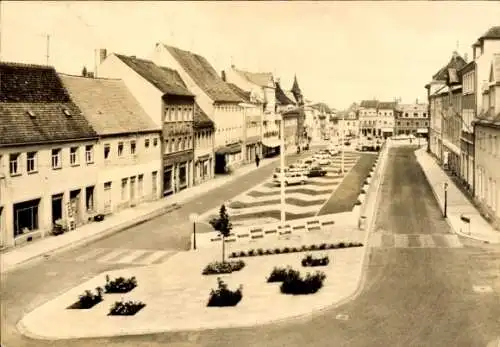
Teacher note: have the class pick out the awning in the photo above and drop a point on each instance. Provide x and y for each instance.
(252, 140)
(422, 131)
(274, 142)
(229, 149)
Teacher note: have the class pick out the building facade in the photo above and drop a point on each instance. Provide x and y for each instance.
(468, 73)
(348, 124)
(214, 97)
(412, 119)
(384, 125)
(164, 97)
(368, 117)
(47, 155)
(128, 152)
(203, 147)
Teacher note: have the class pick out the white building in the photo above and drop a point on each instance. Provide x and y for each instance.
(48, 170)
(368, 111)
(128, 153)
(385, 119)
(214, 97)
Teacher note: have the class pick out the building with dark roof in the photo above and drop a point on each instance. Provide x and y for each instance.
(163, 95)
(214, 97)
(128, 151)
(47, 154)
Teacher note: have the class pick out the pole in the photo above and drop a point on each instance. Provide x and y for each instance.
(445, 200)
(194, 235)
(342, 144)
(282, 171)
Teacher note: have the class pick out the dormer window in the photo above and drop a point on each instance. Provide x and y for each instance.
(66, 112)
(31, 114)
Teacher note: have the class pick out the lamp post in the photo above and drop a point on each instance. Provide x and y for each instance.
(445, 200)
(282, 171)
(193, 217)
(342, 144)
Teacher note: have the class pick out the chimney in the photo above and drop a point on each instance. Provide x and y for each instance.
(102, 55)
(223, 75)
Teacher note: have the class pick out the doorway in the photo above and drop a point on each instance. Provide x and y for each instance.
(132, 190)
(57, 207)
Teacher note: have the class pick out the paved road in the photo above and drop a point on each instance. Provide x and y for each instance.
(412, 296)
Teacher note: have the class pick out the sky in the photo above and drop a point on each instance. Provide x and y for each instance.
(341, 52)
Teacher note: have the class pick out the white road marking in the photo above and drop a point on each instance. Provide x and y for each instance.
(130, 258)
(426, 241)
(153, 257)
(91, 254)
(452, 241)
(400, 241)
(112, 255)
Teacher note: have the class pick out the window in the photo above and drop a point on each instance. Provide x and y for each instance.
(146, 143)
(416, 124)
(120, 149)
(155, 142)
(154, 181)
(426, 123)
(124, 188)
(89, 154)
(89, 198)
(406, 114)
(132, 147)
(424, 114)
(56, 158)
(107, 149)
(14, 164)
(31, 162)
(73, 156)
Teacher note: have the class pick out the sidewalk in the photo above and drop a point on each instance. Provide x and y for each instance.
(118, 221)
(458, 204)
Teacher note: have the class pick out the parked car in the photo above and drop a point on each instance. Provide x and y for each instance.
(291, 178)
(278, 170)
(316, 171)
(347, 143)
(323, 159)
(309, 161)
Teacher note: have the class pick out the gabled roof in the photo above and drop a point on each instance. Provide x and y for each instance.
(166, 80)
(262, 79)
(448, 72)
(108, 105)
(204, 75)
(386, 105)
(492, 33)
(34, 89)
(369, 103)
(240, 92)
(321, 106)
(201, 120)
(281, 97)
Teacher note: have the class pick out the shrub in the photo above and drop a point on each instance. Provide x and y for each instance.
(126, 308)
(233, 255)
(222, 296)
(88, 299)
(310, 261)
(357, 203)
(243, 254)
(365, 181)
(280, 274)
(303, 248)
(251, 253)
(341, 245)
(295, 249)
(297, 286)
(277, 251)
(322, 246)
(260, 251)
(286, 250)
(120, 284)
(217, 267)
(313, 247)
(269, 252)
(363, 191)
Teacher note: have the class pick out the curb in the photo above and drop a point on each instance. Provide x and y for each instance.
(436, 197)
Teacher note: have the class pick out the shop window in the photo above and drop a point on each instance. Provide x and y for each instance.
(182, 175)
(25, 217)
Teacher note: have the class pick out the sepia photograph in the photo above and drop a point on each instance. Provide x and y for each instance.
(249, 173)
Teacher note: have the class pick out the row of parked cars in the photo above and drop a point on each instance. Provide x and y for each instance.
(300, 171)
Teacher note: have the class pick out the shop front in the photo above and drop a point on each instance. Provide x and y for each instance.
(177, 168)
(228, 157)
(203, 168)
(253, 148)
(451, 154)
(387, 132)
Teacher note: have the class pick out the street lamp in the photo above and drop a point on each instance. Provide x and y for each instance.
(193, 217)
(445, 200)
(282, 171)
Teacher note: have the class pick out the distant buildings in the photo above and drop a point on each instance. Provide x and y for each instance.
(376, 118)
(412, 119)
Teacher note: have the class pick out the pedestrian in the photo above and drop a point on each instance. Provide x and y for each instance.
(257, 160)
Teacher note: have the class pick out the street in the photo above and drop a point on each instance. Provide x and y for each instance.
(426, 296)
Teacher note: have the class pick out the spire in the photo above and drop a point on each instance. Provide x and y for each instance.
(297, 93)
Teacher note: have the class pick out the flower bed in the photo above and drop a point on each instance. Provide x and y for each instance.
(218, 267)
(222, 296)
(120, 285)
(309, 260)
(297, 285)
(279, 274)
(126, 308)
(304, 248)
(88, 300)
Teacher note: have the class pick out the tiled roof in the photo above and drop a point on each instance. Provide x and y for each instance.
(166, 80)
(240, 92)
(321, 106)
(204, 75)
(38, 90)
(456, 63)
(369, 103)
(30, 83)
(492, 33)
(281, 97)
(201, 120)
(262, 79)
(386, 105)
(108, 105)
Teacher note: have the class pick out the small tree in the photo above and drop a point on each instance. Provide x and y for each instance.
(84, 71)
(223, 225)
